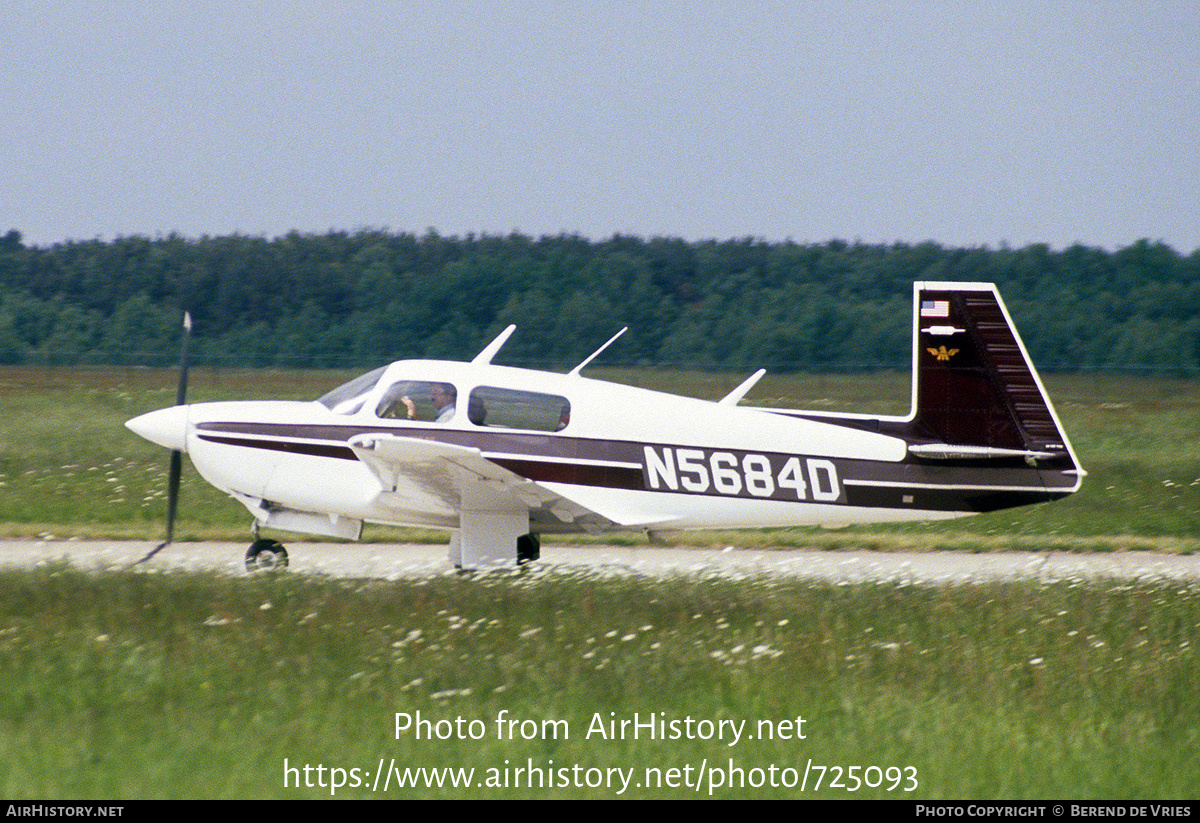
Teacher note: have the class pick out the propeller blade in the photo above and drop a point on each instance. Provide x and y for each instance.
(176, 456)
(173, 492)
(181, 390)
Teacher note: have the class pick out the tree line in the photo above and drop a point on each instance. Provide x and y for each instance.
(367, 297)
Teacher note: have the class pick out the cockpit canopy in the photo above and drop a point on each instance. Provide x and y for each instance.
(425, 400)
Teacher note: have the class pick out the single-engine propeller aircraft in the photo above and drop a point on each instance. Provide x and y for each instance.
(500, 455)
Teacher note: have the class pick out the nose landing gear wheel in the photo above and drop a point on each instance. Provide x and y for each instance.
(266, 555)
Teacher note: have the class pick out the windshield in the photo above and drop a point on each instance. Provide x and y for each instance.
(348, 397)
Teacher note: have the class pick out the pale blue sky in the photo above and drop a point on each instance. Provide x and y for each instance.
(969, 123)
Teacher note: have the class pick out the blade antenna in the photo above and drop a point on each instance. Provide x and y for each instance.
(735, 396)
(489, 351)
(176, 456)
(575, 371)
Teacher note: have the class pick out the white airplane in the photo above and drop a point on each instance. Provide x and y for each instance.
(500, 455)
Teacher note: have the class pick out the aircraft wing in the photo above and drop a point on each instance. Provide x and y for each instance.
(460, 477)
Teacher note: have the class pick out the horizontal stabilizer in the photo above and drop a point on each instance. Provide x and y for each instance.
(949, 451)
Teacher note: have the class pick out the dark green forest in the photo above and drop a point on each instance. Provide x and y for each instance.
(367, 297)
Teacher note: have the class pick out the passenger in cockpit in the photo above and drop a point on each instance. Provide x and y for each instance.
(476, 411)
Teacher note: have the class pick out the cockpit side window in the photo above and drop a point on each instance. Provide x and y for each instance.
(348, 398)
(514, 409)
(431, 402)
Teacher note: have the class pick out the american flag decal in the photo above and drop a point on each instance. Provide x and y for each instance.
(935, 308)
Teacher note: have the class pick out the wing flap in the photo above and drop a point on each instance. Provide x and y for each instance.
(599, 503)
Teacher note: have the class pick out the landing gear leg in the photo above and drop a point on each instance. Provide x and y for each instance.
(487, 539)
(266, 555)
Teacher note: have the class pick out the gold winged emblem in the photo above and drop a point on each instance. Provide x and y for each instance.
(942, 353)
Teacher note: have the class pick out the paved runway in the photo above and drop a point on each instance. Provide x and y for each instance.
(393, 561)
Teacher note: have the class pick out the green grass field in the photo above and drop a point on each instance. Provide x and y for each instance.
(126, 685)
(138, 684)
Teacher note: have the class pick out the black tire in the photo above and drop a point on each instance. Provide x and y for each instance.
(529, 547)
(266, 555)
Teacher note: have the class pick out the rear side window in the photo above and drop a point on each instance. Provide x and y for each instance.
(513, 409)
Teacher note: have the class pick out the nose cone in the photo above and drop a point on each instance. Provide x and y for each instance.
(166, 427)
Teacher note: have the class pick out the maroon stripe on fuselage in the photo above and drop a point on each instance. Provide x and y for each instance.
(315, 449)
(497, 441)
(553, 458)
(612, 477)
(557, 469)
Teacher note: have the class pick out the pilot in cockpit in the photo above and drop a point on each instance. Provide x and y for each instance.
(441, 395)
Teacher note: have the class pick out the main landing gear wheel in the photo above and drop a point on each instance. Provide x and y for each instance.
(529, 547)
(266, 555)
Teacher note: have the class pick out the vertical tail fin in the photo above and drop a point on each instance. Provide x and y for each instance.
(976, 395)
